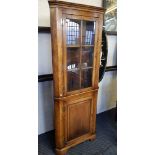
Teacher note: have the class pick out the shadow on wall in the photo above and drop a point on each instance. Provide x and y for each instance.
(45, 106)
(114, 59)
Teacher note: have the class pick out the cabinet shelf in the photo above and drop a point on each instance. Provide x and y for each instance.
(77, 69)
(73, 46)
(74, 69)
(84, 68)
(87, 45)
(78, 46)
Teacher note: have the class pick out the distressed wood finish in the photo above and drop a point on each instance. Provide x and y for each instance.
(75, 111)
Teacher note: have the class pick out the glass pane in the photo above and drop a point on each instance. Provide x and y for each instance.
(73, 53)
(88, 33)
(86, 78)
(73, 58)
(73, 80)
(87, 57)
(79, 53)
(73, 31)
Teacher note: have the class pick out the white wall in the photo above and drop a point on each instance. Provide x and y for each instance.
(45, 106)
(107, 94)
(43, 9)
(44, 54)
(43, 13)
(45, 89)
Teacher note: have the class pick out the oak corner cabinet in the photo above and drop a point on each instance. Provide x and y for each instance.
(76, 32)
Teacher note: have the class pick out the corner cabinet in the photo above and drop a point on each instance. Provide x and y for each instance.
(76, 32)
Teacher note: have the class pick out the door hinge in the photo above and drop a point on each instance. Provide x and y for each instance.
(62, 21)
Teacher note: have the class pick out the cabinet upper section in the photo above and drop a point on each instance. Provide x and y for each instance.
(76, 45)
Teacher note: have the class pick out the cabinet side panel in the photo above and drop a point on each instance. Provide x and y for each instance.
(93, 129)
(59, 124)
(56, 36)
(98, 51)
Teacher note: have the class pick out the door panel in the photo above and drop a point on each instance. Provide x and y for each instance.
(88, 32)
(78, 119)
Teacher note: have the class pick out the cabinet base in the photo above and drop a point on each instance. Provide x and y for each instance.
(92, 139)
(61, 151)
(64, 150)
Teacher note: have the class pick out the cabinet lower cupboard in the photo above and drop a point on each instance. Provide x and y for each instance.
(76, 31)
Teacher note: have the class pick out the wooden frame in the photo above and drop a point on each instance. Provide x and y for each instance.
(70, 127)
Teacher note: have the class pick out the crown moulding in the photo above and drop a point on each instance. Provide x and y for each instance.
(54, 3)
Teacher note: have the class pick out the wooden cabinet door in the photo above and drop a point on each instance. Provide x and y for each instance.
(78, 118)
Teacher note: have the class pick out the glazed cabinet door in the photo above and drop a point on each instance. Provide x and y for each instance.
(79, 48)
